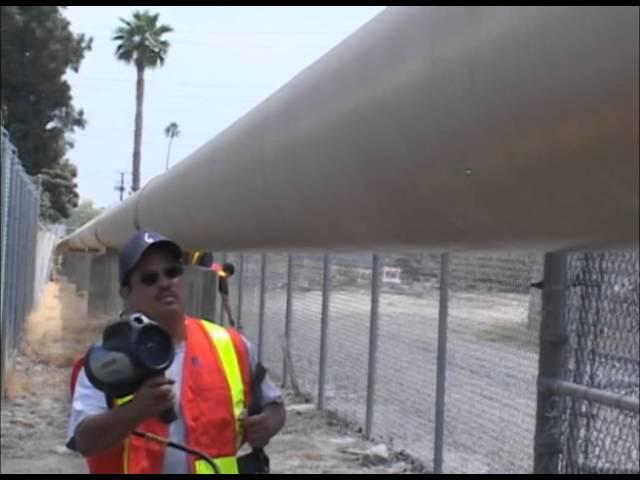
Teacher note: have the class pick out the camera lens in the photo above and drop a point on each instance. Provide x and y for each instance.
(154, 347)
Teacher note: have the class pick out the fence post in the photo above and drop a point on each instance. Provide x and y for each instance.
(22, 269)
(5, 298)
(33, 244)
(373, 343)
(324, 328)
(263, 279)
(438, 449)
(553, 338)
(6, 181)
(287, 320)
(11, 294)
(240, 291)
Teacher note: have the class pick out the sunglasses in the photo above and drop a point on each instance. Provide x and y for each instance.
(150, 278)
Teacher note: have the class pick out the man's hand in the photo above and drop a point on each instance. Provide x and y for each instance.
(259, 429)
(104, 431)
(154, 397)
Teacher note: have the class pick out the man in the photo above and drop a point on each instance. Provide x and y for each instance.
(223, 288)
(223, 272)
(208, 384)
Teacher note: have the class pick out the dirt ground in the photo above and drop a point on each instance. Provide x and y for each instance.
(36, 407)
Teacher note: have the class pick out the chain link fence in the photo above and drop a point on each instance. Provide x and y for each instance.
(404, 401)
(379, 372)
(492, 364)
(24, 261)
(592, 422)
(329, 325)
(306, 320)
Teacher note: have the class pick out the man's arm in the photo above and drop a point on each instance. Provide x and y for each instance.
(227, 308)
(104, 431)
(223, 289)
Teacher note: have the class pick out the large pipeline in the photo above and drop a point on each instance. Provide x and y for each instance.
(453, 127)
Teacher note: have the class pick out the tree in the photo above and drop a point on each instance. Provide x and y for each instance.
(171, 132)
(140, 43)
(60, 194)
(37, 48)
(82, 214)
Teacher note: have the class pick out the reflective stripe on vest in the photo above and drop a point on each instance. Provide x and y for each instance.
(227, 466)
(125, 456)
(231, 365)
(196, 257)
(123, 400)
(125, 453)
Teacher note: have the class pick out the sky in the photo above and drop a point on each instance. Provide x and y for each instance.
(223, 61)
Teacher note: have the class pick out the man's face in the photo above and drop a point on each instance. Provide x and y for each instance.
(155, 286)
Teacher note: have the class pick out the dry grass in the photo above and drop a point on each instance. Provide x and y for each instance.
(56, 333)
(17, 385)
(59, 330)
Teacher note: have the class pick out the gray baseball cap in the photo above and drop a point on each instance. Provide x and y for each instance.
(136, 246)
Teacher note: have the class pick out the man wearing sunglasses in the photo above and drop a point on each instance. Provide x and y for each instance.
(209, 383)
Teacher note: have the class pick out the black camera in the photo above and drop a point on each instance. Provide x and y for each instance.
(133, 350)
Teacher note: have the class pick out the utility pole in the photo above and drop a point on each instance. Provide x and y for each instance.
(121, 188)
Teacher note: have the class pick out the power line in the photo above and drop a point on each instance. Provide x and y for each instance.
(107, 30)
(151, 93)
(131, 81)
(285, 45)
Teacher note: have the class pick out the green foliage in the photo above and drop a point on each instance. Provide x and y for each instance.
(37, 49)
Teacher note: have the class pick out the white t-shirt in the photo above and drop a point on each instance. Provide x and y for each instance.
(88, 400)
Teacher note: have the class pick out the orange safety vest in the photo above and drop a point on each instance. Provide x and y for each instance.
(215, 391)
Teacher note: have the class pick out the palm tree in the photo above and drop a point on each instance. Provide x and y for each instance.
(171, 132)
(140, 42)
